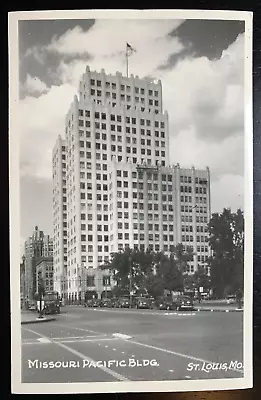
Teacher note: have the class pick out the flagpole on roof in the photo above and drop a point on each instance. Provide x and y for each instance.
(127, 61)
(129, 51)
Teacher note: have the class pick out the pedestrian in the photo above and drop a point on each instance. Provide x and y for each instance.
(199, 297)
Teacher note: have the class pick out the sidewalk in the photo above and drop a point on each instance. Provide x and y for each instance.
(217, 308)
(31, 317)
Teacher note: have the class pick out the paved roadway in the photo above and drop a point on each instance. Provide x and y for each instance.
(171, 343)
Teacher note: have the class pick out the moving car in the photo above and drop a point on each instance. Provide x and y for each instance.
(183, 303)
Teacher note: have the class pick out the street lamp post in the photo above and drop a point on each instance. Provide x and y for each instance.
(81, 283)
(41, 293)
(84, 280)
(130, 280)
(105, 284)
(23, 283)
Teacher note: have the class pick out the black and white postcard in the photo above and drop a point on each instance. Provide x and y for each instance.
(130, 200)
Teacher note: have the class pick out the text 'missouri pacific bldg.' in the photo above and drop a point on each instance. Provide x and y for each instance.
(112, 182)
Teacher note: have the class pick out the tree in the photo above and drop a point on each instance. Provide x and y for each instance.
(183, 257)
(201, 278)
(169, 270)
(155, 286)
(189, 282)
(130, 268)
(147, 272)
(226, 238)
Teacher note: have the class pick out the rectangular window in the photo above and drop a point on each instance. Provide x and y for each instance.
(90, 281)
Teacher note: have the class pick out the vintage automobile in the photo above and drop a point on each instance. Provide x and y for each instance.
(95, 303)
(164, 303)
(182, 302)
(143, 302)
(115, 302)
(32, 306)
(231, 299)
(88, 303)
(124, 302)
(106, 303)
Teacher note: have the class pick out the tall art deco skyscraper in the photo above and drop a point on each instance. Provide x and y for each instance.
(112, 182)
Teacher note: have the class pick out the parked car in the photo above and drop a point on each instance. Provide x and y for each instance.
(143, 302)
(124, 302)
(105, 303)
(114, 303)
(231, 299)
(96, 303)
(183, 303)
(164, 303)
(88, 303)
(32, 307)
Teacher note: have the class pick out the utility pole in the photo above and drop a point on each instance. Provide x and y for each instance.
(130, 280)
(41, 293)
(106, 288)
(23, 282)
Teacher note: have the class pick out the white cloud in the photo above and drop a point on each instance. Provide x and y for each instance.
(223, 157)
(70, 73)
(227, 192)
(107, 37)
(34, 85)
(207, 94)
(41, 121)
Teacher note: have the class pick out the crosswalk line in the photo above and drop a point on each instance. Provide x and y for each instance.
(44, 340)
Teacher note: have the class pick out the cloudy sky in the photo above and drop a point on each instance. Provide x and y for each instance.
(199, 62)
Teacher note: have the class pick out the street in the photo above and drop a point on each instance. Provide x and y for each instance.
(97, 345)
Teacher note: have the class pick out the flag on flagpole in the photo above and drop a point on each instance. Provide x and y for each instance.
(130, 49)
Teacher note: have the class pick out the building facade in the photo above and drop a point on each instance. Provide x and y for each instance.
(22, 283)
(157, 208)
(44, 273)
(59, 157)
(95, 283)
(36, 246)
(119, 188)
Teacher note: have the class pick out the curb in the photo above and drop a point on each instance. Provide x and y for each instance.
(219, 310)
(37, 321)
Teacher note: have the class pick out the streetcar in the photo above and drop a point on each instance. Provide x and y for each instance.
(51, 302)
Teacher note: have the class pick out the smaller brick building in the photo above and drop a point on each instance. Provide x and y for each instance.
(44, 271)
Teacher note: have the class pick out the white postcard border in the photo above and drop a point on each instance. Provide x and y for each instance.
(134, 386)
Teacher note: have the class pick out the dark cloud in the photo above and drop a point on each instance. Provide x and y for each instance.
(204, 38)
(41, 32)
(209, 37)
(34, 35)
(177, 57)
